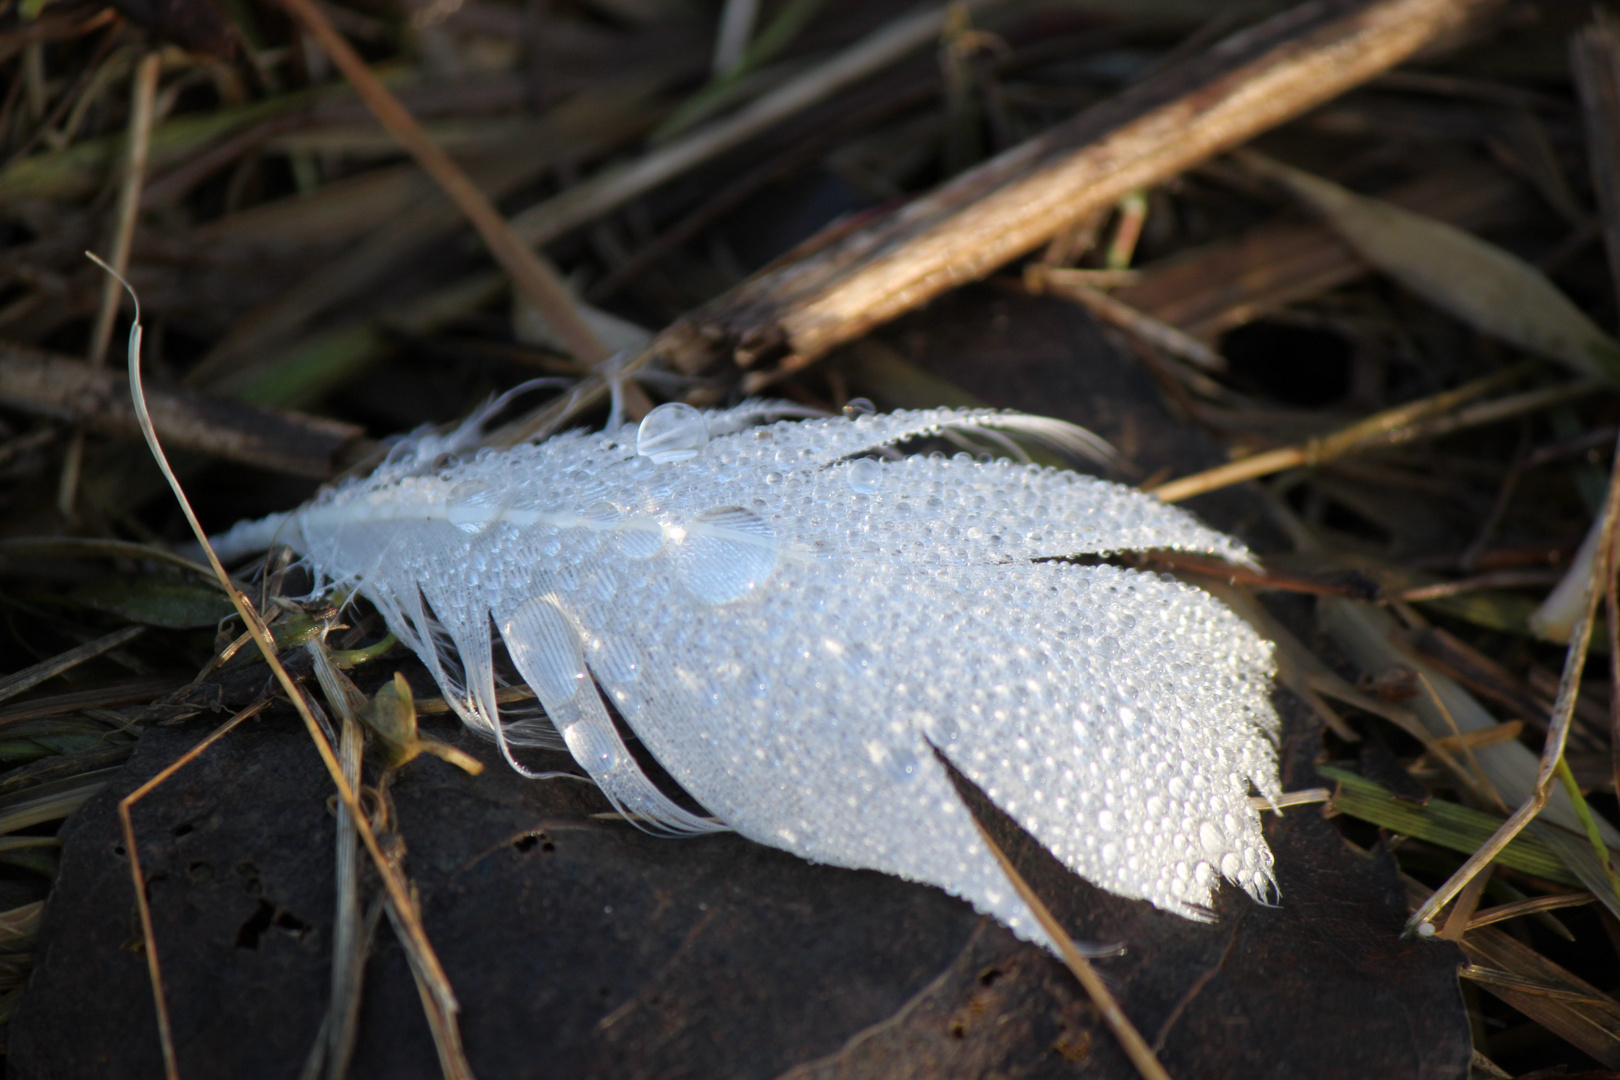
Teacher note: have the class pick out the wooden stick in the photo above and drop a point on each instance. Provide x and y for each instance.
(1010, 205)
(531, 275)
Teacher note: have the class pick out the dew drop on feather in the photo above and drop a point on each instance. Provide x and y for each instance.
(672, 432)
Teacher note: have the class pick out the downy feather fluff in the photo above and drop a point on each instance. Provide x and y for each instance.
(791, 616)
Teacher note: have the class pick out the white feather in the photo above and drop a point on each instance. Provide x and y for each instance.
(791, 628)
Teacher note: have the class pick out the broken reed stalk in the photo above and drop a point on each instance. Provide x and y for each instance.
(1379, 428)
(1250, 82)
(1130, 1040)
(143, 95)
(154, 969)
(1563, 712)
(408, 924)
(532, 276)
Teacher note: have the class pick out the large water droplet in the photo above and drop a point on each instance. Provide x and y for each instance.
(601, 515)
(472, 506)
(858, 407)
(546, 649)
(864, 475)
(596, 750)
(1231, 865)
(727, 553)
(672, 432)
(1210, 837)
(639, 537)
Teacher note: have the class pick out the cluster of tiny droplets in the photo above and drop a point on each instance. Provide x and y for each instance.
(791, 628)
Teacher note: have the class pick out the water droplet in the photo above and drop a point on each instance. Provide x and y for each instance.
(726, 554)
(1210, 837)
(1231, 865)
(1105, 820)
(594, 749)
(672, 432)
(601, 515)
(472, 506)
(547, 650)
(1203, 874)
(858, 407)
(864, 475)
(1110, 853)
(639, 537)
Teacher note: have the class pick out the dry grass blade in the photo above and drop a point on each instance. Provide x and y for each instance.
(1486, 287)
(1558, 727)
(154, 967)
(1503, 912)
(1568, 1006)
(29, 677)
(531, 275)
(1135, 1047)
(408, 922)
(1378, 428)
(59, 800)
